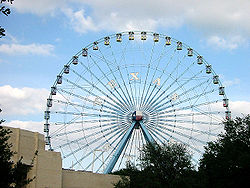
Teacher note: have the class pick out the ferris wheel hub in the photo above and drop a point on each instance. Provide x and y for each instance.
(137, 116)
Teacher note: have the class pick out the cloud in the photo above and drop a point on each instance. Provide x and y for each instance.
(33, 126)
(229, 43)
(38, 7)
(228, 83)
(79, 21)
(22, 101)
(211, 17)
(239, 108)
(34, 49)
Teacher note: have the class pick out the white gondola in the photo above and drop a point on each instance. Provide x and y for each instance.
(95, 47)
(216, 79)
(53, 91)
(208, 69)
(106, 41)
(131, 35)
(168, 40)
(228, 115)
(221, 90)
(190, 52)
(46, 115)
(118, 37)
(46, 127)
(47, 140)
(156, 37)
(225, 102)
(199, 60)
(179, 45)
(59, 79)
(49, 102)
(84, 52)
(75, 60)
(66, 69)
(143, 35)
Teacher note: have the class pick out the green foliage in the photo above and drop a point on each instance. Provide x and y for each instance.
(12, 174)
(167, 165)
(226, 162)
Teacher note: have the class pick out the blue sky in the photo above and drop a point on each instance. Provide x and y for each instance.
(42, 36)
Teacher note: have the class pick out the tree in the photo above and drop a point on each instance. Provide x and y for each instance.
(226, 161)
(12, 174)
(166, 165)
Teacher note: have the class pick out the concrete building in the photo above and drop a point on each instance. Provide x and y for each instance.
(47, 165)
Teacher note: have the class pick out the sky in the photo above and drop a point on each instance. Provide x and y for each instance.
(43, 35)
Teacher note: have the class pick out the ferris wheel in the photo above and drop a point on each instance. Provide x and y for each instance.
(127, 89)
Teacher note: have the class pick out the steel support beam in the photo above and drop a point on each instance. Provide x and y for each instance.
(146, 134)
(120, 148)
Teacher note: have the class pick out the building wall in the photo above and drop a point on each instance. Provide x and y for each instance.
(87, 179)
(47, 165)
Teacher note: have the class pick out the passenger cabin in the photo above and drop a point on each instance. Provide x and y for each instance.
(95, 47)
(46, 115)
(53, 91)
(46, 128)
(143, 35)
(59, 79)
(208, 69)
(49, 102)
(131, 35)
(85, 52)
(106, 41)
(118, 37)
(66, 69)
(228, 115)
(179, 45)
(168, 40)
(221, 90)
(216, 79)
(47, 140)
(225, 102)
(190, 52)
(75, 60)
(199, 60)
(156, 37)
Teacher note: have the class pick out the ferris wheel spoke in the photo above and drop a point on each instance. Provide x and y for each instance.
(184, 101)
(116, 104)
(160, 125)
(189, 129)
(123, 102)
(154, 98)
(101, 100)
(84, 114)
(148, 68)
(113, 150)
(175, 138)
(146, 98)
(87, 107)
(87, 128)
(89, 100)
(102, 131)
(200, 113)
(112, 72)
(157, 105)
(119, 69)
(107, 141)
(105, 86)
(151, 96)
(154, 134)
(90, 143)
(189, 107)
(100, 145)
